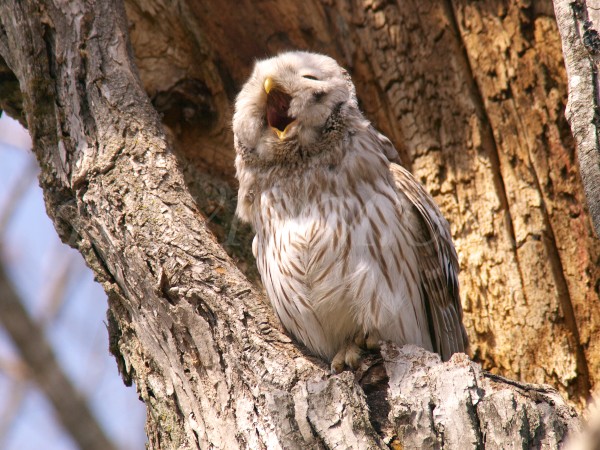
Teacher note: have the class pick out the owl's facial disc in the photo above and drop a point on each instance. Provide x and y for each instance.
(278, 105)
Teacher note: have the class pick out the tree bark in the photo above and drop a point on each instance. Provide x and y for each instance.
(578, 26)
(471, 94)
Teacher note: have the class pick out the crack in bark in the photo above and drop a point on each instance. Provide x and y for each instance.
(103, 265)
(475, 417)
(564, 297)
(11, 99)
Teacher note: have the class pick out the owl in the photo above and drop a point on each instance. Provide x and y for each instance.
(351, 249)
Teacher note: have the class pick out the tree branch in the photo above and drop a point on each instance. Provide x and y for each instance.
(47, 373)
(581, 49)
(12, 404)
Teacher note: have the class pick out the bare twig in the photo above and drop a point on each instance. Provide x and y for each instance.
(16, 193)
(12, 408)
(18, 375)
(54, 293)
(71, 408)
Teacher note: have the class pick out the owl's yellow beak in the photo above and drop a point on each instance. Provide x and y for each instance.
(269, 84)
(281, 134)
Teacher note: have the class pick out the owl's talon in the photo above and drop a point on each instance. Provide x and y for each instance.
(360, 340)
(372, 341)
(368, 341)
(338, 364)
(350, 355)
(354, 356)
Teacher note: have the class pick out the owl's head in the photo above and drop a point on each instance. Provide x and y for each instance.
(289, 100)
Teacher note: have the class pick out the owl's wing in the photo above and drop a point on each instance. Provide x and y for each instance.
(438, 265)
(384, 144)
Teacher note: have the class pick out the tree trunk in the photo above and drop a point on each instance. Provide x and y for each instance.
(472, 94)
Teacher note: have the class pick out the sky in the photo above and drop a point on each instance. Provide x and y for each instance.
(35, 259)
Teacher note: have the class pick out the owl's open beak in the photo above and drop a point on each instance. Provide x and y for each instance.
(278, 105)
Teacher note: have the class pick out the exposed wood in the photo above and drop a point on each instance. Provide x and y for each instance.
(514, 50)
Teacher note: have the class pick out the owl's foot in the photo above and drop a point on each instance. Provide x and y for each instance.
(368, 341)
(351, 354)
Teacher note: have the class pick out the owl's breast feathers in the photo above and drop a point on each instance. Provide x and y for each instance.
(340, 252)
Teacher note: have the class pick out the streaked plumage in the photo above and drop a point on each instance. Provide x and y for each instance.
(350, 248)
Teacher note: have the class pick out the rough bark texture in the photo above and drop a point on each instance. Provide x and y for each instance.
(471, 93)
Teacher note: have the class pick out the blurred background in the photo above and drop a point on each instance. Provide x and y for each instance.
(63, 307)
